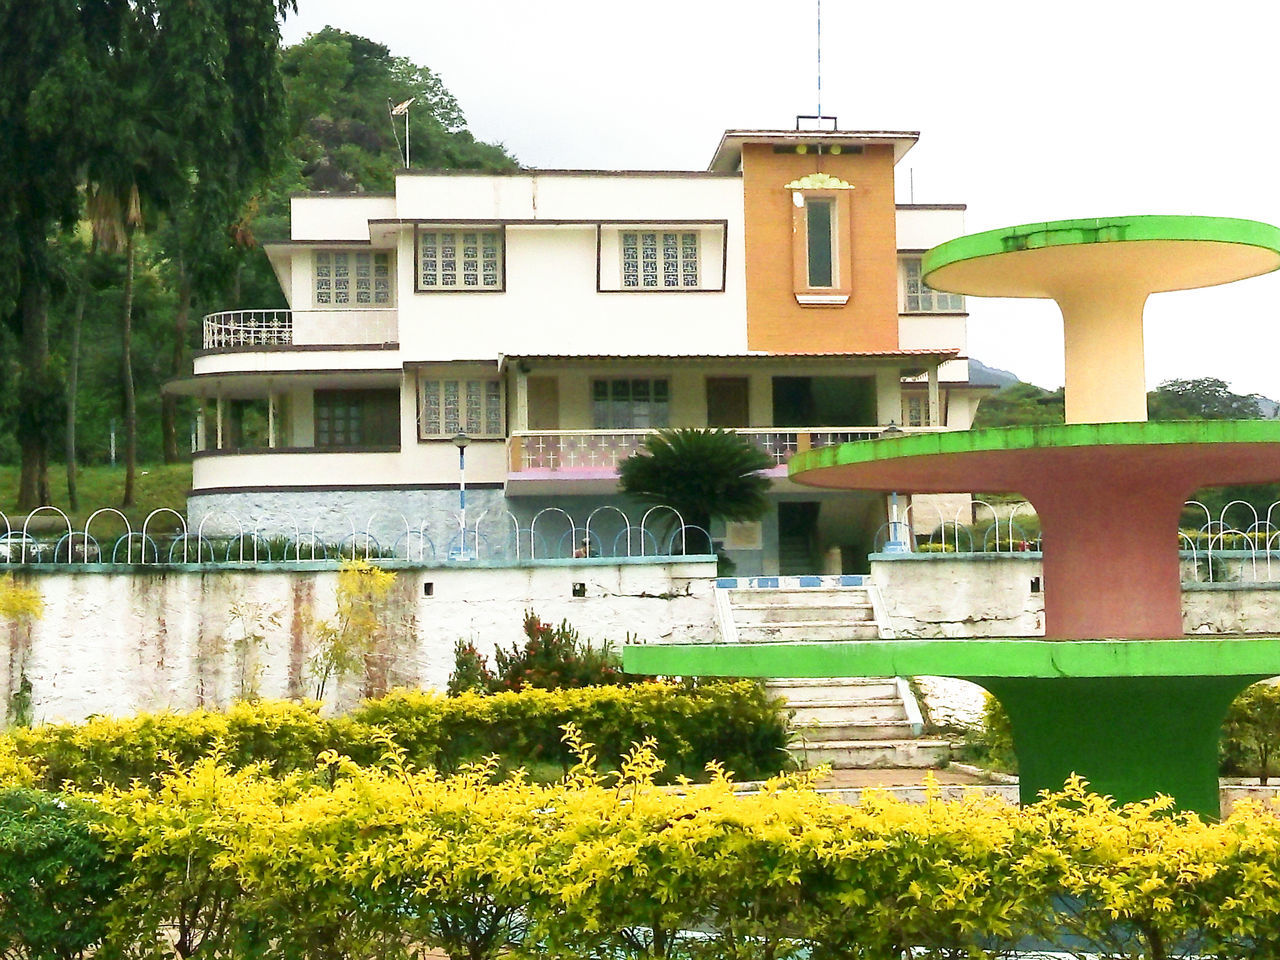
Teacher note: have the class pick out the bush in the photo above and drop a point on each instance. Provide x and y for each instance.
(736, 724)
(56, 878)
(551, 658)
(1251, 733)
(391, 862)
(991, 745)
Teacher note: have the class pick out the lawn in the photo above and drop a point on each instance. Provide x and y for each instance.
(156, 486)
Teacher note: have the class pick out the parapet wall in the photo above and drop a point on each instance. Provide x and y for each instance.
(1001, 595)
(115, 641)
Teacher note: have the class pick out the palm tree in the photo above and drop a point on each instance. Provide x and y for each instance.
(703, 474)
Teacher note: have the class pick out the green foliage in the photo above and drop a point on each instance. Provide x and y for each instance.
(1020, 404)
(991, 745)
(56, 877)
(1251, 733)
(391, 861)
(701, 473)
(736, 724)
(471, 672)
(347, 645)
(553, 657)
(1207, 398)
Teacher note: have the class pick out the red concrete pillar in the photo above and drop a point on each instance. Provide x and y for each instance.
(1111, 566)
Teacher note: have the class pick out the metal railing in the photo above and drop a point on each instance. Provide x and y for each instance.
(604, 449)
(492, 537)
(248, 328)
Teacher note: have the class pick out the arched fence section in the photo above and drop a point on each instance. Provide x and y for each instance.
(492, 537)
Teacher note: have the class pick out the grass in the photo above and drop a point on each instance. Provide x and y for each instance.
(156, 486)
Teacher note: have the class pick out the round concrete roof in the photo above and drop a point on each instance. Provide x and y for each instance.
(1144, 253)
(1160, 455)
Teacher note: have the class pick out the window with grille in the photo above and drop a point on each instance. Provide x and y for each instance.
(919, 298)
(346, 279)
(357, 418)
(630, 404)
(450, 407)
(658, 260)
(915, 410)
(460, 259)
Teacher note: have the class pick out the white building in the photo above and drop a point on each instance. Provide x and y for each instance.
(554, 316)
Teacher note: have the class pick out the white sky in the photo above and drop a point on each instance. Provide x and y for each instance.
(1028, 111)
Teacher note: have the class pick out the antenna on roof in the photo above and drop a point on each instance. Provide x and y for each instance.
(819, 58)
(401, 110)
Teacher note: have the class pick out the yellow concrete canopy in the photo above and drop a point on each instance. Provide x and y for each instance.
(1100, 272)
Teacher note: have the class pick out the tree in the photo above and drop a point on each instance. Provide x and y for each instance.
(1020, 404)
(702, 474)
(1204, 399)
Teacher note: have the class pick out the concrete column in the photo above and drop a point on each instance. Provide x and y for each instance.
(271, 419)
(1105, 364)
(218, 419)
(521, 410)
(935, 416)
(202, 427)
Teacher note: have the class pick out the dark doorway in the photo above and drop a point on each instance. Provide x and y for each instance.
(727, 402)
(824, 401)
(797, 538)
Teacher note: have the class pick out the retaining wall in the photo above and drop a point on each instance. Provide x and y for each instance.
(116, 641)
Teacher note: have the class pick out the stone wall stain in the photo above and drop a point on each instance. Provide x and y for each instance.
(301, 615)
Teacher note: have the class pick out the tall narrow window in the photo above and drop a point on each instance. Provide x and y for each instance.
(818, 218)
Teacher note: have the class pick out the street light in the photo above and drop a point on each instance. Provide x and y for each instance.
(460, 440)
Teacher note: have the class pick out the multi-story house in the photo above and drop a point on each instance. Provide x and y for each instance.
(555, 316)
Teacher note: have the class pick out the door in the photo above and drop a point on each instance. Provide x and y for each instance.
(727, 404)
(797, 538)
(544, 403)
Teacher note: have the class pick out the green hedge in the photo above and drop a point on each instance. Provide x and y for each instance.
(734, 723)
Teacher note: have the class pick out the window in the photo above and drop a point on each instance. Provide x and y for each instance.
(357, 418)
(659, 259)
(918, 298)
(460, 259)
(450, 407)
(819, 216)
(915, 410)
(351, 278)
(629, 404)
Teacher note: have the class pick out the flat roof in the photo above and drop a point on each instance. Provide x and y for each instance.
(728, 155)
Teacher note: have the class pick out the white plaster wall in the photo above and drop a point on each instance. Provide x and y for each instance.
(601, 196)
(434, 461)
(550, 306)
(920, 228)
(118, 643)
(337, 218)
(281, 361)
(933, 331)
(989, 595)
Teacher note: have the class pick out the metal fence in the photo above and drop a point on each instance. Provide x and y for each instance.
(490, 537)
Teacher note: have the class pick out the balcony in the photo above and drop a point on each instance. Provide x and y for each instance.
(595, 454)
(268, 329)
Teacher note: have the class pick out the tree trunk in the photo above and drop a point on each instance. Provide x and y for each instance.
(33, 442)
(130, 401)
(169, 403)
(73, 383)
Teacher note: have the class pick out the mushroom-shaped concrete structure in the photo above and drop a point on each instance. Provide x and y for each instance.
(1108, 497)
(1101, 272)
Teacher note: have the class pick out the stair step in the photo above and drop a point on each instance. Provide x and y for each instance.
(878, 711)
(767, 614)
(863, 754)
(834, 691)
(848, 730)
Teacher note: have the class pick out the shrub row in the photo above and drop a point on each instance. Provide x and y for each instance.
(734, 723)
(390, 862)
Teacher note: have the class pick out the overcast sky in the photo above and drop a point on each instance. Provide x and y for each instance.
(1027, 111)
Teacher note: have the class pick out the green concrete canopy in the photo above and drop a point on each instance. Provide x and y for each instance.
(1108, 496)
(1100, 273)
(1135, 718)
(952, 265)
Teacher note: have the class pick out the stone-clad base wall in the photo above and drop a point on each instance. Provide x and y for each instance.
(116, 643)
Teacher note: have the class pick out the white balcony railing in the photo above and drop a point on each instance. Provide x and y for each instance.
(571, 450)
(248, 328)
(313, 328)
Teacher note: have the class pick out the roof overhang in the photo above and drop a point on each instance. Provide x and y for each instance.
(728, 155)
(912, 357)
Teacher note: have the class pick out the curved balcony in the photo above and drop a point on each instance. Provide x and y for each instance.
(273, 329)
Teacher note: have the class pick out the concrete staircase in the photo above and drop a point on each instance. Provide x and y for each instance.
(845, 722)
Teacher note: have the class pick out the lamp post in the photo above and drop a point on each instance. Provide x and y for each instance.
(460, 440)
